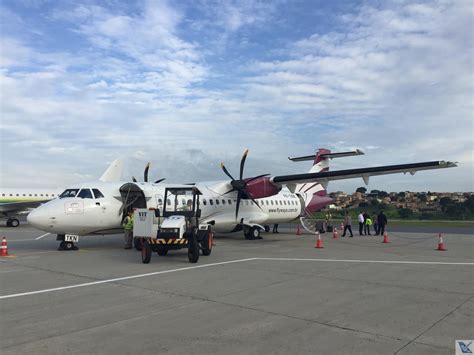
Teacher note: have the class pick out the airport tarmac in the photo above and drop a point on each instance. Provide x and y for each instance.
(275, 295)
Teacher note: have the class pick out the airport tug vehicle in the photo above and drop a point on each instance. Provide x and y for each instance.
(177, 226)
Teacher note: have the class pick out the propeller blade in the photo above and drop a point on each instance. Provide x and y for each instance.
(237, 206)
(226, 171)
(225, 193)
(145, 174)
(159, 180)
(257, 177)
(256, 203)
(133, 179)
(242, 163)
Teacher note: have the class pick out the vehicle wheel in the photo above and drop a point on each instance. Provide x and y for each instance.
(162, 250)
(138, 243)
(207, 244)
(146, 252)
(14, 222)
(193, 249)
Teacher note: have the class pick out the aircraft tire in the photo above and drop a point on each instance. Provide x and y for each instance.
(146, 252)
(62, 245)
(68, 245)
(14, 222)
(193, 249)
(255, 233)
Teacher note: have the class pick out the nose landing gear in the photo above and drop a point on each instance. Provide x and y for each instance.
(66, 244)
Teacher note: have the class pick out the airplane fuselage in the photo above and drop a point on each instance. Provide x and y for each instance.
(104, 214)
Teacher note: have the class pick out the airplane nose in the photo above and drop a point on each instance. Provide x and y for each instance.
(38, 217)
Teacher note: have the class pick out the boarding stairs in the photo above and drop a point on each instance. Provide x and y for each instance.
(312, 225)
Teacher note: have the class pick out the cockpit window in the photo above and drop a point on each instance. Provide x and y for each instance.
(97, 193)
(69, 193)
(85, 193)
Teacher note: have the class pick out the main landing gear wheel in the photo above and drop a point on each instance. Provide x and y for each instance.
(13, 222)
(252, 233)
(146, 252)
(193, 249)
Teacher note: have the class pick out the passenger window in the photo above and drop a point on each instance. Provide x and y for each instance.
(47, 195)
(97, 193)
(18, 194)
(85, 193)
(211, 202)
(204, 202)
(217, 201)
(223, 202)
(271, 202)
(229, 201)
(24, 194)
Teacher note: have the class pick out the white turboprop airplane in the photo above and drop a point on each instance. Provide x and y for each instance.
(247, 204)
(16, 201)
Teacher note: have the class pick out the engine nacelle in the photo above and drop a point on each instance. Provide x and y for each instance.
(261, 187)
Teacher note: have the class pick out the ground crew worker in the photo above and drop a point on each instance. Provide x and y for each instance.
(328, 221)
(128, 230)
(368, 223)
(361, 220)
(275, 228)
(382, 221)
(347, 225)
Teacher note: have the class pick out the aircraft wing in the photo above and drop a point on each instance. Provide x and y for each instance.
(324, 177)
(19, 206)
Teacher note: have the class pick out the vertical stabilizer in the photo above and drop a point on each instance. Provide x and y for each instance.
(113, 172)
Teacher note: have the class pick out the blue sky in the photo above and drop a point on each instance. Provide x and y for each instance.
(188, 84)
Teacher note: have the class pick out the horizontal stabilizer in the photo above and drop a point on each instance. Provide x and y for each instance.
(329, 155)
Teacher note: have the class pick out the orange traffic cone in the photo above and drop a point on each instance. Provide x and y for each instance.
(4, 247)
(385, 238)
(298, 230)
(441, 246)
(319, 242)
(334, 233)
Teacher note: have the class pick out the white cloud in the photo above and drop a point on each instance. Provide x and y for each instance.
(396, 81)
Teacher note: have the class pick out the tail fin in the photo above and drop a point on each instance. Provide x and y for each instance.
(113, 172)
(314, 194)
